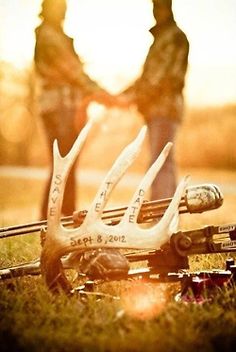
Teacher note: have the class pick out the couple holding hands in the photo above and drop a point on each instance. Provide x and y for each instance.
(66, 90)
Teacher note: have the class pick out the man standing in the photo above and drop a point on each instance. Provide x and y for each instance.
(158, 92)
(63, 86)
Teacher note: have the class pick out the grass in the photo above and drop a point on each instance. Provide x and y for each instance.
(32, 319)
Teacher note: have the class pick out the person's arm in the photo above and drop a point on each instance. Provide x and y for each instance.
(55, 56)
(57, 61)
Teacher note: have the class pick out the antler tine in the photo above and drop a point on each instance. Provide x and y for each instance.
(51, 253)
(132, 212)
(61, 169)
(169, 222)
(171, 214)
(159, 234)
(124, 160)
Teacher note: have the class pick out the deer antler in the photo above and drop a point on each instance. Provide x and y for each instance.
(93, 232)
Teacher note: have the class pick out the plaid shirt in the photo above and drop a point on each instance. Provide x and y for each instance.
(62, 79)
(159, 89)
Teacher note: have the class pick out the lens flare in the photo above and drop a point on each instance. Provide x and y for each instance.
(144, 301)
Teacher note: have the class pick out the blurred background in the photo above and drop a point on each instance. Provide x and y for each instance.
(112, 38)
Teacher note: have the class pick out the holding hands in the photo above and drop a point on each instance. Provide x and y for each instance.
(101, 97)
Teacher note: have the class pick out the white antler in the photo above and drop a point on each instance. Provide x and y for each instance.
(61, 169)
(94, 233)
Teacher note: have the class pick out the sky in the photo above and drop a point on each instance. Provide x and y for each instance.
(112, 38)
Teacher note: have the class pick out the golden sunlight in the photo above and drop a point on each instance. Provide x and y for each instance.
(144, 301)
(17, 31)
(112, 38)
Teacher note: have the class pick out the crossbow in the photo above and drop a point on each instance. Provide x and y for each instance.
(149, 228)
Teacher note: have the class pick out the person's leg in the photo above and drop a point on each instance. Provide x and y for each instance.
(50, 125)
(67, 139)
(161, 131)
(60, 125)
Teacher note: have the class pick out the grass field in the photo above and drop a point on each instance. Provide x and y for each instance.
(32, 319)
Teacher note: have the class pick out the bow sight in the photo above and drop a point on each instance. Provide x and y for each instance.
(149, 228)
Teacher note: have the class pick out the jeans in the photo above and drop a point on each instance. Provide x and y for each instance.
(162, 130)
(60, 125)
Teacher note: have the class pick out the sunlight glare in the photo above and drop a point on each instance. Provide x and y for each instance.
(143, 301)
(112, 38)
(111, 41)
(17, 33)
